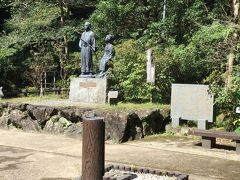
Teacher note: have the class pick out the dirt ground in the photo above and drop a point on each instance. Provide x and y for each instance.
(29, 156)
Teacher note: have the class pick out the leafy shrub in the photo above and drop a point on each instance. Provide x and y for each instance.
(129, 72)
(226, 101)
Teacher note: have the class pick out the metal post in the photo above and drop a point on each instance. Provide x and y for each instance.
(93, 148)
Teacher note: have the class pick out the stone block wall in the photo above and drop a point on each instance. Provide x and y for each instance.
(121, 125)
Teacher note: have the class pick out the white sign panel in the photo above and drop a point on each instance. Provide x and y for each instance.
(192, 102)
(238, 110)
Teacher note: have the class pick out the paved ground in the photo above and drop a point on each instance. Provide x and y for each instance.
(28, 156)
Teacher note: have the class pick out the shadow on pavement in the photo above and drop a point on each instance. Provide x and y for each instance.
(220, 146)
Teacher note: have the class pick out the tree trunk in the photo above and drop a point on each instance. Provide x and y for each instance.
(229, 69)
(61, 4)
(41, 86)
(64, 13)
(236, 5)
(231, 56)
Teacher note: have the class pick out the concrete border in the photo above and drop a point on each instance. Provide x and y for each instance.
(179, 176)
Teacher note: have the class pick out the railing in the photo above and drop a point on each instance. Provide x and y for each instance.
(25, 93)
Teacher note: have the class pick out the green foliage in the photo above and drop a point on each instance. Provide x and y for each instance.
(3, 3)
(238, 129)
(5, 53)
(130, 72)
(226, 101)
(6, 65)
(42, 40)
(194, 62)
(122, 17)
(34, 16)
(111, 16)
(191, 45)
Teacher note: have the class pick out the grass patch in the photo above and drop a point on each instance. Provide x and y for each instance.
(62, 101)
(164, 137)
(158, 137)
(34, 99)
(134, 106)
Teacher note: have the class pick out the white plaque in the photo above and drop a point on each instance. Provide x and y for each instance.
(150, 67)
(192, 102)
(238, 110)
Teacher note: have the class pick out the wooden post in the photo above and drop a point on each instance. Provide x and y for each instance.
(93, 148)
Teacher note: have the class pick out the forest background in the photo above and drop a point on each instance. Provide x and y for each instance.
(198, 42)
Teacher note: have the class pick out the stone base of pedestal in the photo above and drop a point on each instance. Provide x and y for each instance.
(88, 90)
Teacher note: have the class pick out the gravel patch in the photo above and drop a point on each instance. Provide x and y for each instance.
(138, 176)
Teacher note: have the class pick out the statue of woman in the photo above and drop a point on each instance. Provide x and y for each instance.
(108, 55)
(87, 45)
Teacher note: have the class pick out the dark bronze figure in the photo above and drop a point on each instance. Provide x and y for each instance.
(108, 55)
(87, 45)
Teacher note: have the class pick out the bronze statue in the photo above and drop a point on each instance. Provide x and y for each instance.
(108, 55)
(87, 45)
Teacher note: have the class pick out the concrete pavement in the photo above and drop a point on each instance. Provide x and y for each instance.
(30, 156)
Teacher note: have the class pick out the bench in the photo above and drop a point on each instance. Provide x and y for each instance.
(209, 137)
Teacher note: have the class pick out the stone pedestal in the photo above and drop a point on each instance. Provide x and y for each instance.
(88, 90)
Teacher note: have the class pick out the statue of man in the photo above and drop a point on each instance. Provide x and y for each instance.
(87, 45)
(108, 55)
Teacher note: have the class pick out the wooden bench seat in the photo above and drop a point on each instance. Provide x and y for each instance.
(209, 137)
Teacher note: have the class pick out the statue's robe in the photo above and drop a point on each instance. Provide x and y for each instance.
(108, 54)
(87, 44)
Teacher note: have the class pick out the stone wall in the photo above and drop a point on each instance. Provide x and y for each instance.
(121, 125)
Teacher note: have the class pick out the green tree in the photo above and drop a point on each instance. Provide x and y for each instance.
(44, 28)
(129, 73)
